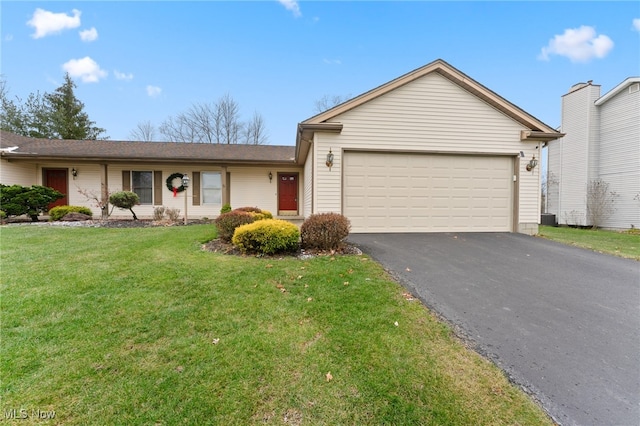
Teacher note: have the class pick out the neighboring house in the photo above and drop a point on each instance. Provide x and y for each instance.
(431, 151)
(602, 142)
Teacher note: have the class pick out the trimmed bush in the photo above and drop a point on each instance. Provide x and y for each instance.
(249, 209)
(228, 222)
(125, 200)
(324, 231)
(17, 200)
(59, 212)
(225, 209)
(3, 215)
(267, 236)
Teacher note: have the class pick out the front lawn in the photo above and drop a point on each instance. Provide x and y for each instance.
(623, 244)
(142, 327)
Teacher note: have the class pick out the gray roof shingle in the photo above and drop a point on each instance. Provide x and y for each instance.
(122, 151)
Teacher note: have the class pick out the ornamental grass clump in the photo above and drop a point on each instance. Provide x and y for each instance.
(58, 212)
(324, 231)
(228, 222)
(268, 236)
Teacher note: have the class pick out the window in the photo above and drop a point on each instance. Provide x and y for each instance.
(142, 184)
(211, 188)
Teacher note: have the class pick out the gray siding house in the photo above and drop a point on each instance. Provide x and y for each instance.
(602, 141)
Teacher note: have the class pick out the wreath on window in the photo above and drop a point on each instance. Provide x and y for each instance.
(170, 186)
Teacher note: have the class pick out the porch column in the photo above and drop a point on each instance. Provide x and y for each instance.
(104, 186)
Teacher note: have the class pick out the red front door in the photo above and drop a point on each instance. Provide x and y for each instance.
(57, 179)
(288, 192)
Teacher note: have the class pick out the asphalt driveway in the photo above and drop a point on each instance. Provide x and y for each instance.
(562, 322)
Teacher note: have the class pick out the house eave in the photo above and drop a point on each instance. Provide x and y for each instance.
(304, 138)
(538, 136)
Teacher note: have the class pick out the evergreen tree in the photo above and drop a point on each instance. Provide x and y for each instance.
(57, 115)
(68, 119)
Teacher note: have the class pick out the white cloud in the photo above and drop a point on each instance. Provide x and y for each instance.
(86, 69)
(636, 24)
(578, 44)
(153, 91)
(8, 37)
(332, 61)
(89, 35)
(123, 76)
(291, 5)
(47, 23)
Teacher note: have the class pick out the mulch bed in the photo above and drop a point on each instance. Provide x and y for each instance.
(219, 246)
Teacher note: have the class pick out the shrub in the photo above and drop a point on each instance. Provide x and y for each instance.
(59, 212)
(249, 209)
(225, 209)
(3, 215)
(172, 214)
(158, 213)
(125, 200)
(267, 236)
(17, 200)
(324, 231)
(228, 222)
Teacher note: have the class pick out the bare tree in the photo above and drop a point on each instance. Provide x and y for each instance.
(255, 132)
(600, 201)
(229, 120)
(214, 123)
(327, 102)
(145, 131)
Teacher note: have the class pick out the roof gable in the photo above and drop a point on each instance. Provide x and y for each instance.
(619, 88)
(447, 71)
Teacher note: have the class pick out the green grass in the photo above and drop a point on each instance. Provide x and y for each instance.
(142, 327)
(623, 244)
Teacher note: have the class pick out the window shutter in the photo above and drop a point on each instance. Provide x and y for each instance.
(126, 180)
(157, 187)
(195, 187)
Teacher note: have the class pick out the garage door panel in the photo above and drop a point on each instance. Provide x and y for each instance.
(427, 193)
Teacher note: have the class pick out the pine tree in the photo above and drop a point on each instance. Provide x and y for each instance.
(57, 115)
(68, 119)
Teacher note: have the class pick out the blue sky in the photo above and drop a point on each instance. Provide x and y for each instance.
(139, 61)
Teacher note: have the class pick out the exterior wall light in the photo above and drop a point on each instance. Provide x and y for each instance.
(74, 173)
(532, 164)
(270, 177)
(329, 162)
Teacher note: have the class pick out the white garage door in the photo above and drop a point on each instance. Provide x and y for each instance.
(388, 192)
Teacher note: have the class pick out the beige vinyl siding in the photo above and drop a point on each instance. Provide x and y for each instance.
(168, 200)
(430, 114)
(578, 111)
(251, 187)
(308, 184)
(619, 153)
(18, 173)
